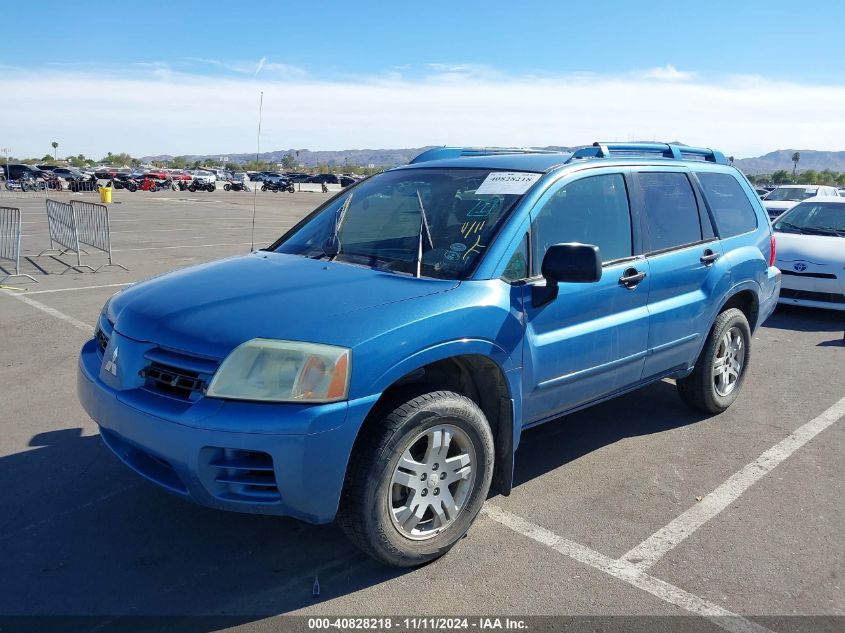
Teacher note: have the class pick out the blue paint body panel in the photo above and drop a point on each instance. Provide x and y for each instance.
(592, 342)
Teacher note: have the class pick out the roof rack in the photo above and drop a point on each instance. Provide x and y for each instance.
(438, 153)
(663, 150)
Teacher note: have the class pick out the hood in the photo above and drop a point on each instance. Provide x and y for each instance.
(212, 308)
(779, 206)
(813, 249)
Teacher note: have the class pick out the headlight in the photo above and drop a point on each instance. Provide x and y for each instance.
(283, 371)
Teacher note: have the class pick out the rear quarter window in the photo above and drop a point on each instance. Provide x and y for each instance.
(731, 208)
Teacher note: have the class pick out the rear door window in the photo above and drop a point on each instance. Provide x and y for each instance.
(731, 208)
(671, 211)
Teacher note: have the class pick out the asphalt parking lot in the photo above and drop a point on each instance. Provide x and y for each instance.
(634, 507)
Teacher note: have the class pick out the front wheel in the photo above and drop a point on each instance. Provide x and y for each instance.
(291, 189)
(720, 369)
(227, 187)
(417, 479)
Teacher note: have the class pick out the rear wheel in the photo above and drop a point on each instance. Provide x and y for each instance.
(211, 187)
(227, 187)
(720, 370)
(417, 479)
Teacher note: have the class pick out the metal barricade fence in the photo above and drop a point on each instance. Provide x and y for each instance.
(61, 223)
(93, 229)
(10, 241)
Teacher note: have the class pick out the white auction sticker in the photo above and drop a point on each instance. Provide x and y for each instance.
(507, 183)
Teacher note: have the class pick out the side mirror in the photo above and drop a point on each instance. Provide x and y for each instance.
(567, 263)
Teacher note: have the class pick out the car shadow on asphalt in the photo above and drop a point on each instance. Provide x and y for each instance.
(81, 535)
(801, 319)
(652, 409)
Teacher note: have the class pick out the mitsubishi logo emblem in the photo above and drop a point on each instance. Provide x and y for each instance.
(111, 365)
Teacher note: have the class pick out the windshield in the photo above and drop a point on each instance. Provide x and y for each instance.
(791, 194)
(814, 218)
(382, 223)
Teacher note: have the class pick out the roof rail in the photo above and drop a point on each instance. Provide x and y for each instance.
(663, 150)
(438, 153)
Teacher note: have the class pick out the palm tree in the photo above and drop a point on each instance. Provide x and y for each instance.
(795, 158)
(55, 149)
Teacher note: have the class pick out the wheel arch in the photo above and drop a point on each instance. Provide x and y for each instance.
(474, 374)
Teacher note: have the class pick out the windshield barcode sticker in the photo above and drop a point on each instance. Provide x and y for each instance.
(507, 183)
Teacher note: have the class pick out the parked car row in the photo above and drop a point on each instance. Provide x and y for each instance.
(783, 198)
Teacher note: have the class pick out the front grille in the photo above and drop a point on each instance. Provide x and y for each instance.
(102, 341)
(806, 295)
(173, 381)
(814, 275)
(242, 475)
(177, 375)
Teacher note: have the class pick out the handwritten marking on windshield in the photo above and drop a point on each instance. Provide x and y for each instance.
(471, 227)
(474, 248)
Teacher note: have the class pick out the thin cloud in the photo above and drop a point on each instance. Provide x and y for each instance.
(195, 113)
(667, 73)
(261, 63)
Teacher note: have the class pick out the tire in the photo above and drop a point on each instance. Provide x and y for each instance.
(153, 188)
(291, 189)
(132, 188)
(706, 390)
(373, 503)
(211, 188)
(227, 187)
(192, 188)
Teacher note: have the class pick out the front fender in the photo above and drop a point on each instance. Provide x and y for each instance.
(442, 351)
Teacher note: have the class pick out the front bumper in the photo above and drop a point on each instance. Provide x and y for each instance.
(813, 291)
(204, 453)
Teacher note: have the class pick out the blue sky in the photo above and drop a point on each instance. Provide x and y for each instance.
(321, 63)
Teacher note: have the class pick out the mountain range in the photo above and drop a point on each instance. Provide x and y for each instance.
(765, 164)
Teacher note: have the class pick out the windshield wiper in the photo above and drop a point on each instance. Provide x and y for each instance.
(789, 226)
(332, 246)
(834, 231)
(423, 228)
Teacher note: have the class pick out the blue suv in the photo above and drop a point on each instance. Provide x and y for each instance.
(378, 363)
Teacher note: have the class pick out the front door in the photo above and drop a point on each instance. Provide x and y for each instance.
(591, 340)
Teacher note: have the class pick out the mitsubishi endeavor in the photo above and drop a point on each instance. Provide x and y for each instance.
(378, 363)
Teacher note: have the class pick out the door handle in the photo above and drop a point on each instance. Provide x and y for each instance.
(631, 278)
(709, 257)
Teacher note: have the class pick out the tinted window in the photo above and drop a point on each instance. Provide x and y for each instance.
(731, 208)
(670, 210)
(592, 210)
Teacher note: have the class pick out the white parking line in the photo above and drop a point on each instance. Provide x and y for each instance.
(88, 329)
(666, 538)
(42, 292)
(625, 572)
(160, 248)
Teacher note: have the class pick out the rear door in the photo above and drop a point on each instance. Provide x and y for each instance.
(681, 250)
(591, 340)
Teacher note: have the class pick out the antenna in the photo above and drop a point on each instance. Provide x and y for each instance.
(257, 152)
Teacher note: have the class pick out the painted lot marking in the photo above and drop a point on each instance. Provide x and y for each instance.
(43, 292)
(651, 550)
(80, 325)
(625, 572)
(160, 248)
